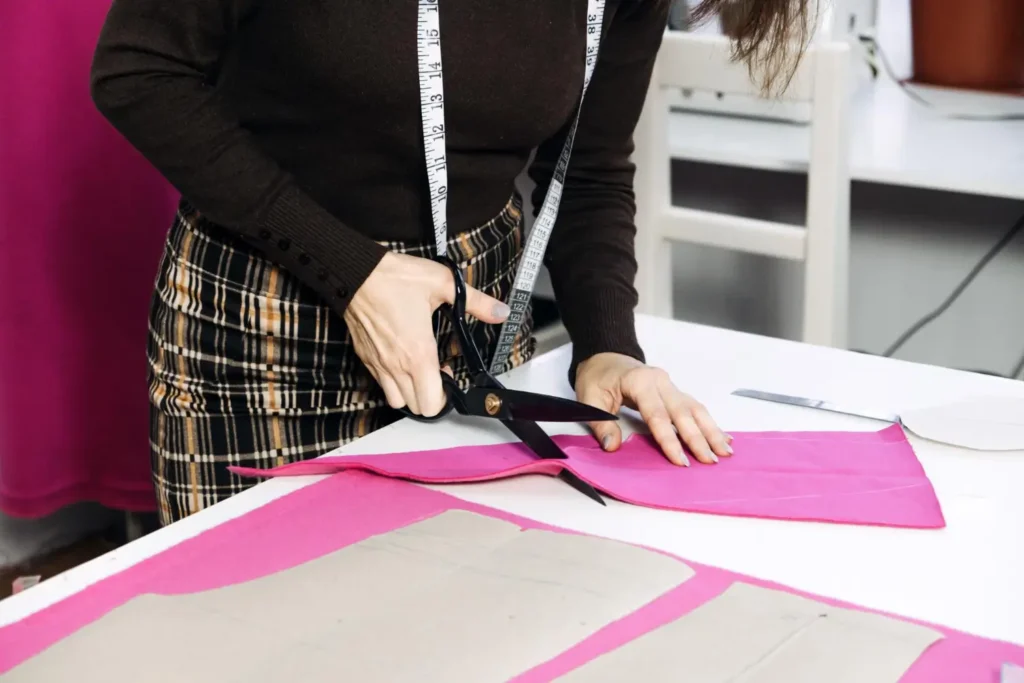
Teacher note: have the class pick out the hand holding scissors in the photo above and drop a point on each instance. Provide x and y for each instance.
(486, 397)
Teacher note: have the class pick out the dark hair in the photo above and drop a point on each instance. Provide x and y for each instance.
(768, 35)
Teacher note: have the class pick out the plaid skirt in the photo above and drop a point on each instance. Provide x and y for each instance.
(248, 366)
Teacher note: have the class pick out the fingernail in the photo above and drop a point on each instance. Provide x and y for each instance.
(728, 437)
(714, 458)
(728, 449)
(501, 310)
(606, 442)
(682, 458)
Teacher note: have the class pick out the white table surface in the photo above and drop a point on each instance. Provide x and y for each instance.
(969, 575)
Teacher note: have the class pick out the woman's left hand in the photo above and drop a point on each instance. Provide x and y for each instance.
(610, 381)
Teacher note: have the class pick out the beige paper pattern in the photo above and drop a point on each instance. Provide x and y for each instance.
(750, 634)
(456, 597)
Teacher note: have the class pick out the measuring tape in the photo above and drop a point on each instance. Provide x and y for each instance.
(431, 77)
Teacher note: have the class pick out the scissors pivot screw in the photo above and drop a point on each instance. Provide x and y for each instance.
(492, 404)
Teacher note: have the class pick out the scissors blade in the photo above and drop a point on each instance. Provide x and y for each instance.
(524, 405)
(581, 486)
(537, 440)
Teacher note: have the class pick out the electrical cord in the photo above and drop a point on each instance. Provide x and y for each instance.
(964, 284)
(1018, 372)
(875, 48)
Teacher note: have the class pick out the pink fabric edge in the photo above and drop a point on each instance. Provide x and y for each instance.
(337, 464)
(889, 436)
(388, 504)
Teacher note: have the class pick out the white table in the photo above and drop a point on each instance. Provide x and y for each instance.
(893, 141)
(968, 576)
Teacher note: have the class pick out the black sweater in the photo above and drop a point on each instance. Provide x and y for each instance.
(297, 124)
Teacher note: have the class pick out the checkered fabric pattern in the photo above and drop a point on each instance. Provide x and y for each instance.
(248, 366)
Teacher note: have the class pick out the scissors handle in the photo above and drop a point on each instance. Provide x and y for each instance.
(451, 390)
(456, 312)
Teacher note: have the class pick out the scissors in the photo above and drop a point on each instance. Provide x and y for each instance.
(517, 410)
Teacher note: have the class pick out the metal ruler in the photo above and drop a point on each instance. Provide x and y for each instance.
(431, 79)
(869, 413)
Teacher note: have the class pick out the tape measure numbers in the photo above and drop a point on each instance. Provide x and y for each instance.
(431, 81)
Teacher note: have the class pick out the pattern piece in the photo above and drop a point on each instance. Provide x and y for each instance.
(844, 477)
(436, 601)
(337, 512)
(750, 634)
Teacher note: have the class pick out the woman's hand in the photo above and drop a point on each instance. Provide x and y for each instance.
(610, 381)
(389, 319)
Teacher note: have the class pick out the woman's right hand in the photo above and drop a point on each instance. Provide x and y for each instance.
(389, 319)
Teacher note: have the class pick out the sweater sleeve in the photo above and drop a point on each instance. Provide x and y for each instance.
(153, 78)
(590, 255)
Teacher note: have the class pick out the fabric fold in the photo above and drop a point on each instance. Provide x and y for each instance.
(870, 478)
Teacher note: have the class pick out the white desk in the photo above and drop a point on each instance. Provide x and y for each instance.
(893, 141)
(967, 576)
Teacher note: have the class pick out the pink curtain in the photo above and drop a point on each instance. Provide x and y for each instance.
(82, 221)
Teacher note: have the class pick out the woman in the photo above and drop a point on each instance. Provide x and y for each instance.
(292, 310)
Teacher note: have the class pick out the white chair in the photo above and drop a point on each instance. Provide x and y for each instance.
(696, 61)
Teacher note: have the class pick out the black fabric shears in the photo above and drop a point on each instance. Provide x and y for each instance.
(519, 411)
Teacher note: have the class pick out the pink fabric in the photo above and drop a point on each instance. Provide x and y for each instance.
(344, 509)
(844, 477)
(82, 222)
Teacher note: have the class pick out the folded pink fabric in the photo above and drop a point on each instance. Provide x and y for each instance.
(843, 477)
